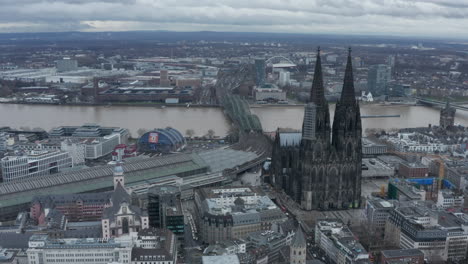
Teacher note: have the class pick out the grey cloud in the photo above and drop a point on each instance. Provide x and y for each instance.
(392, 16)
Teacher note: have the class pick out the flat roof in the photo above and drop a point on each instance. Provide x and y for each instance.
(398, 253)
(221, 159)
(97, 178)
(231, 259)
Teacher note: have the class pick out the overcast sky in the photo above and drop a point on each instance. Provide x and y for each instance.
(381, 17)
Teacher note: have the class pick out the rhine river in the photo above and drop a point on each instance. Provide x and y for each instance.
(200, 119)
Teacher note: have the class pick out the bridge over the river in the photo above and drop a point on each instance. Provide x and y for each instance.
(431, 102)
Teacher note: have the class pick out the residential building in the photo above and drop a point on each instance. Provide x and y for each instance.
(34, 163)
(424, 140)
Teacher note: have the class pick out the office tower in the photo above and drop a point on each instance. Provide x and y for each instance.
(260, 72)
(377, 79)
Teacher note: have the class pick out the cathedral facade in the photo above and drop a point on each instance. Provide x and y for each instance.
(320, 167)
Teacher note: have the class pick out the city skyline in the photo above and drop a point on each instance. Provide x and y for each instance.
(390, 18)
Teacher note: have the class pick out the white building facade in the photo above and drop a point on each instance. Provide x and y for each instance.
(43, 250)
(34, 163)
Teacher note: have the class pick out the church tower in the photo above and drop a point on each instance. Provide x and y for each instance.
(346, 142)
(297, 251)
(118, 176)
(315, 144)
(447, 116)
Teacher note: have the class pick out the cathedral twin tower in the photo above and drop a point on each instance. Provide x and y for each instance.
(320, 168)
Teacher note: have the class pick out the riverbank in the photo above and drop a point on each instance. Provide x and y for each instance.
(142, 104)
(133, 117)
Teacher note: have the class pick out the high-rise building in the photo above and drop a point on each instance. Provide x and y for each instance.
(377, 79)
(447, 116)
(260, 72)
(164, 78)
(391, 62)
(317, 170)
(284, 78)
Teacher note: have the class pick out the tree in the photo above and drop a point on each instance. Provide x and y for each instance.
(141, 132)
(5, 91)
(211, 133)
(189, 133)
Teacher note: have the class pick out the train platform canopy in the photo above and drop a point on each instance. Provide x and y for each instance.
(99, 178)
(226, 158)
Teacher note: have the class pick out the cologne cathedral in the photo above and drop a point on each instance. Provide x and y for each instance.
(320, 167)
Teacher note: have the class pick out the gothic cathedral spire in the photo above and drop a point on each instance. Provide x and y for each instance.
(317, 94)
(347, 94)
(316, 124)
